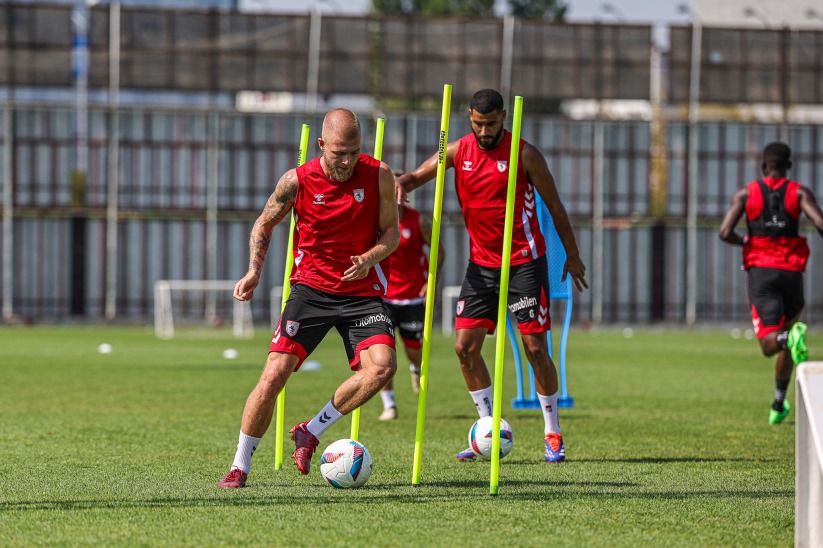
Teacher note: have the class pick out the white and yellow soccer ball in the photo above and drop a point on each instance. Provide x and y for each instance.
(481, 435)
(346, 464)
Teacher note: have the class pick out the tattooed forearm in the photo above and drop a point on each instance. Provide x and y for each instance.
(276, 209)
(259, 246)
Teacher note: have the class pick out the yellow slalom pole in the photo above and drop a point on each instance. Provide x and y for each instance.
(280, 418)
(500, 348)
(378, 154)
(432, 281)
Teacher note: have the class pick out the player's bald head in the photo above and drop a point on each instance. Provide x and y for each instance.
(341, 124)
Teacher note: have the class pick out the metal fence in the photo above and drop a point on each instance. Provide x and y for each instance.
(189, 185)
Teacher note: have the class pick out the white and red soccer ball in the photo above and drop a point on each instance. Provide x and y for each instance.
(346, 464)
(482, 433)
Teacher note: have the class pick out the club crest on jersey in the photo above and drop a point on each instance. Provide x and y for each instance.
(501, 165)
(460, 305)
(292, 327)
(359, 194)
(406, 233)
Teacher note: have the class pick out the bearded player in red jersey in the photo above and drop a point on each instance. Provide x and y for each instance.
(406, 298)
(774, 257)
(480, 160)
(346, 223)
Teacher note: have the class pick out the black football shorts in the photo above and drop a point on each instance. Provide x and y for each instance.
(528, 297)
(776, 296)
(309, 314)
(409, 319)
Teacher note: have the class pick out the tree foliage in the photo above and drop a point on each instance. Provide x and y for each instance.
(434, 7)
(553, 10)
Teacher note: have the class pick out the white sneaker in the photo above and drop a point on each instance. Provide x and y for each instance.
(388, 414)
(415, 379)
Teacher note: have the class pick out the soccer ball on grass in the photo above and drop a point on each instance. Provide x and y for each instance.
(481, 435)
(346, 464)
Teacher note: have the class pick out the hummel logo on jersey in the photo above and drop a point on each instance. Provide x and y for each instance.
(501, 165)
(292, 327)
(325, 418)
(406, 233)
(359, 194)
(318, 199)
(467, 165)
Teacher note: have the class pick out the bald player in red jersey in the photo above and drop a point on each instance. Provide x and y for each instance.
(480, 160)
(406, 297)
(774, 258)
(345, 211)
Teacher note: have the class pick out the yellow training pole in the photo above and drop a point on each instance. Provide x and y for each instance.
(378, 154)
(281, 398)
(514, 156)
(433, 251)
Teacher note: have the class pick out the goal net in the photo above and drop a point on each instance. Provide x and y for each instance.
(809, 455)
(199, 307)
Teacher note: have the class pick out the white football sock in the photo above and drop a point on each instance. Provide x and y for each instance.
(323, 420)
(483, 400)
(245, 449)
(550, 417)
(388, 399)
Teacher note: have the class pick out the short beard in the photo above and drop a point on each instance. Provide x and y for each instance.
(495, 142)
(336, 175)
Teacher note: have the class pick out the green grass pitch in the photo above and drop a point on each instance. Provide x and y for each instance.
(668, 445)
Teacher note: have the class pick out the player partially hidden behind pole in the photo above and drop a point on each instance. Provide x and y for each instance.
(481, 173)
(346, 218)
(406, 297)
(774, 257)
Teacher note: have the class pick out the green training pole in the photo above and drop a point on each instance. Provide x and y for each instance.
(281, 397)
(500, 349)
(431, 283)
(378, 154)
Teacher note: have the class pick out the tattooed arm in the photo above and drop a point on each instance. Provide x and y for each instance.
(277, 208)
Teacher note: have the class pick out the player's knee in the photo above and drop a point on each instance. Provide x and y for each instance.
(465, 349)
(384, 371)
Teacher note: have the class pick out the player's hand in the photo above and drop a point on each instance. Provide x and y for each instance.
(358, 270)
(244, 289)
(424, 290)
(400, 194)
(574, 266)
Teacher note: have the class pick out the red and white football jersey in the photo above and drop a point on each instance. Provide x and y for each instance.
(334, 221)
(409, 263)
(481, 179)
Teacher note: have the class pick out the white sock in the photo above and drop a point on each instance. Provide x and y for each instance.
(323, 420)
(550, 417)
(245, 449)
(388, 398)
(483, 400)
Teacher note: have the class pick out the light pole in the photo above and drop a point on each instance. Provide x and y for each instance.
(691, 191)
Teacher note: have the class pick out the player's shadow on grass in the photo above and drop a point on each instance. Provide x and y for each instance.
(667, 460)
(427, 493)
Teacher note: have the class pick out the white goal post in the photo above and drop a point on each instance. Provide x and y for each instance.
(206, 299)
(808, 527)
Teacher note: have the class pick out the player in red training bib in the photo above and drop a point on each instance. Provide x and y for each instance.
(406, 297)
(774, 258)
(481, 172)
(345, 212)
